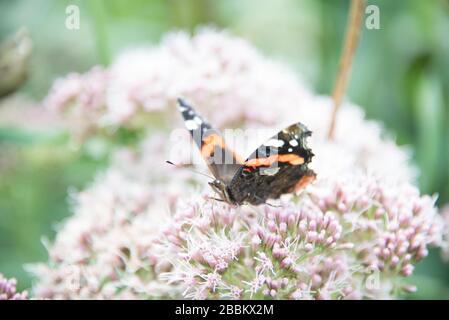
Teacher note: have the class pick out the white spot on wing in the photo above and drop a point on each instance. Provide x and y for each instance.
(198, 120)
(191, 125)
(270, 171)
(274, 143)
(290, 149)
(293, 143)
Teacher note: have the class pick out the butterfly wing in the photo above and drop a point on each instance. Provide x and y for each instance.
(222, 162)
(278, 166)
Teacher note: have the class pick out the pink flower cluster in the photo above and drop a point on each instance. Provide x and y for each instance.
(212, 69)
(282, 252)
(8, 290)
(324, 244)
(107, 249)
(401, 223)
(81, 98)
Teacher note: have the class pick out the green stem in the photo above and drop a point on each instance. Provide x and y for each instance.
(99, 18)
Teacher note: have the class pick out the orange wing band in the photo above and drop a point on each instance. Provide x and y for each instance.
(209, 144)
(293, 159)
(212, 141)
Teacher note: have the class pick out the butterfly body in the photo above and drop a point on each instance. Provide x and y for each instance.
(277, 167)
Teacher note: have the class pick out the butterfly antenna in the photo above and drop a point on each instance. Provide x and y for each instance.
(193, 170)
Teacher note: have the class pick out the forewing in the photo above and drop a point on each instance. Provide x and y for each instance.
(222, 162)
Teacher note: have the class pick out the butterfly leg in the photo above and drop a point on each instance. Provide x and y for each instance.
(216, 199)
(267, 203)
(272, 205)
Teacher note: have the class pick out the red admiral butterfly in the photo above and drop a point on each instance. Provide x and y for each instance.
(278, 166)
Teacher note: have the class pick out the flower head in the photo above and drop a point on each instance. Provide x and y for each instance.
(111, 244)
(323, 244)
(8, 290)
(213, 69)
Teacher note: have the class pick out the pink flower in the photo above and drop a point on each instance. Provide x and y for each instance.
(8, 290)
(81, 98)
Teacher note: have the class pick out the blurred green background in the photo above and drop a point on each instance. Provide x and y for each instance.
(400, 76)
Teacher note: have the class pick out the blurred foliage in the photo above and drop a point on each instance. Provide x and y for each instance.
(400, 76)
(14, 54)
(35, 176)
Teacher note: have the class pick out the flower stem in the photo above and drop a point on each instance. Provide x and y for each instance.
(350, 45)
(97, 8)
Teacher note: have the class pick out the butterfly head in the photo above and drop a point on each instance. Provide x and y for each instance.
(221, 189)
